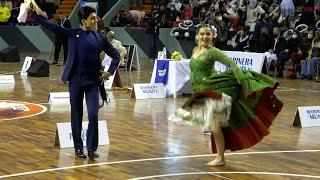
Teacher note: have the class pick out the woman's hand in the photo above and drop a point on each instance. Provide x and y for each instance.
(32, 6)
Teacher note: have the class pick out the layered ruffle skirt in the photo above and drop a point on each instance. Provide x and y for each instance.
(245, 107)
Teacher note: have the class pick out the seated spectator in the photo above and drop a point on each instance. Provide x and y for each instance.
(122, 18)
(264, 42)
(172, 15)
(177, 22)
(187, 12)
(201, 16)
(194, 4)
(277, 45)
(290, 22)
(262, 22)
(309, 65)
(164, 20)
(294, 43)
(306, 43)
(4, 13)
(210, 11)
(242, 39)
(293, 55)
(273, 21)
(176, 3)
(115, 21)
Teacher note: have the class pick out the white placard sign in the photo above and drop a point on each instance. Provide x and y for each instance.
(148, 91)
(26, 84)
(245, 61)
(6, 87)
(59, 108)
(7, 79)
(59, 98)
(108, 83)
(26, 65)
(307, 116)
(64, 134)
(161, 55)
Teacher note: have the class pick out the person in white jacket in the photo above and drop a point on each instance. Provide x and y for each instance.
(117, 44)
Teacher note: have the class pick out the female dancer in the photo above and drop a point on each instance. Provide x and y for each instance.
(238, 106)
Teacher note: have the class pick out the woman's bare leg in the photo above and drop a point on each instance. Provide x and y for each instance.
(220, 145)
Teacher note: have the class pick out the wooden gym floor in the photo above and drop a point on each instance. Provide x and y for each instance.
(144, 144)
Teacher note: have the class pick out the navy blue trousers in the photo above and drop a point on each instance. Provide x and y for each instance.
(77, 91)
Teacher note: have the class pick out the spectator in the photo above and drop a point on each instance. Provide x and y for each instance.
(307, 16)
(201, 16)
(172, 15)
(253, 10)
(277, 45)
(264, 41)
(309, 65)
(293, 55)
(8, 3)
(153, 31)
(164, 22)
(100, 25)
(4, 13)
(117, 44)
(115, 21)
(263, 22)
(137, 17)
(176, 3)
(122, 18)
(217, 21)
(273, 22)
(61, 40)
(187, 12)
(290, 22)
(242, 39)
(177, 22)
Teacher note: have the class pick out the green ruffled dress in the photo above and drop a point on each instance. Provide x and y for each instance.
(254, 106)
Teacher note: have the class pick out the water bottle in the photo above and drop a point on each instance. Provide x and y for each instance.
(164, 51)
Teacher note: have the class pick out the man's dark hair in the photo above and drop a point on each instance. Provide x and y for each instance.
(84, 12)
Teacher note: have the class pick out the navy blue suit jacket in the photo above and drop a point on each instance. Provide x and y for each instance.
(73, 41)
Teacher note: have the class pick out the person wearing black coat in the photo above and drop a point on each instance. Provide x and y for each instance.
(61, 40)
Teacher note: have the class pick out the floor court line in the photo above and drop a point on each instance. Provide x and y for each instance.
(295, 89)
(199, 170)
(11, 73)
(151, 159)
(230, 172)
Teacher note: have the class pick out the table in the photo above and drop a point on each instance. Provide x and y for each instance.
(178, 77)
(179, 71)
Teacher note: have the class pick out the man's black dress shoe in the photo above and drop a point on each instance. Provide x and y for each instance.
(92, 154)
(80, 153)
